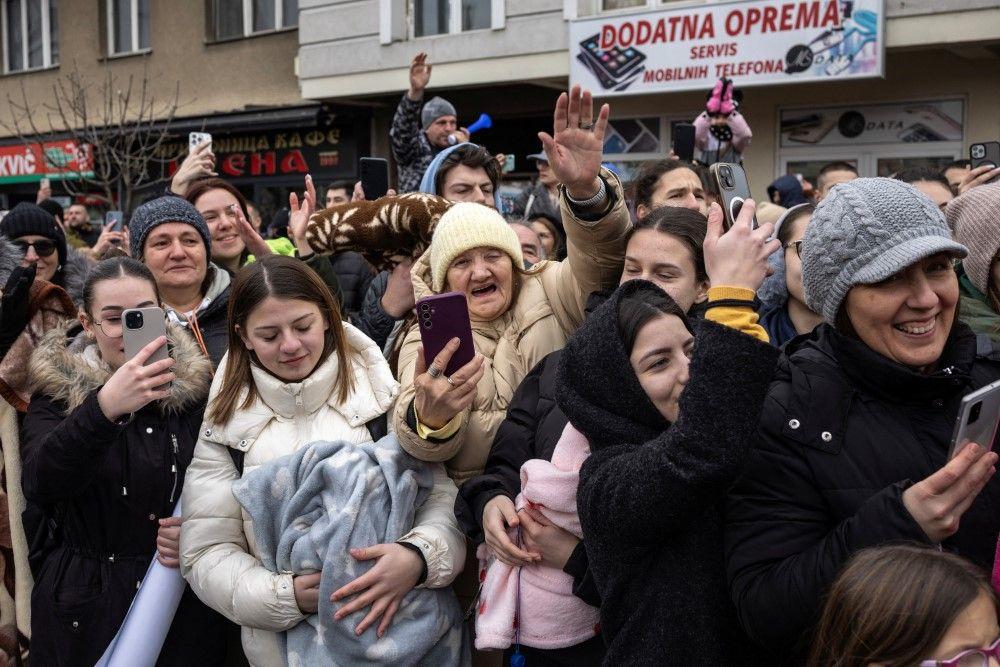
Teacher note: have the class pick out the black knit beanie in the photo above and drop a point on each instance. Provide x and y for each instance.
(28, 219)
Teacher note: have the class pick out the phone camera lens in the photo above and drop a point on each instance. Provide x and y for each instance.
(974, 412)
(978, 152)
(727, 177)
(133, 320)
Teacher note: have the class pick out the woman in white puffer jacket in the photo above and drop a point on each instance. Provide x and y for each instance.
(295, 374)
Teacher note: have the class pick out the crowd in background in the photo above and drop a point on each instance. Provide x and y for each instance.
(681, 436)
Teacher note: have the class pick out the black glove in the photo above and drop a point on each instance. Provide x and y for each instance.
(14, 306)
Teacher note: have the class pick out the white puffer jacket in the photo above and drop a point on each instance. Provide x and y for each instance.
(218, 553)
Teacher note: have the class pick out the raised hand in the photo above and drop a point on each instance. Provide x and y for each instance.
(107, 238)
(577, 144)
(738, 258)
(299, 215)
(979, 176)
(398, 299)
(133, 385)
(252, 239)
(199, 163)
(420, 76)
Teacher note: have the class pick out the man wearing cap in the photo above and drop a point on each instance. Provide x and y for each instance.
(543, 199)
(170, 237)
(420, 131)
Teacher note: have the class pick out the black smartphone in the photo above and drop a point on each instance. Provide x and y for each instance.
(733, 188)
(684, 141)
(987, 152)
(374, 177)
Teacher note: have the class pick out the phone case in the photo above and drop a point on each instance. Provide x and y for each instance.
(731, 197)
(987, 152)
(374, 177)
(442, 317)
(197, 138)
(114, 216)
(684, 141)
(983, 428)
(154, 325)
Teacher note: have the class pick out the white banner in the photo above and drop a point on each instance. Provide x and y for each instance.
(753, 43)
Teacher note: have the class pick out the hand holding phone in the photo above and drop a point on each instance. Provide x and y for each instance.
(196, 139)
(146, 375)
(448, 368)
(733, 187)
(985, 153)
(978, 419)
(116, 219)
(738, 256)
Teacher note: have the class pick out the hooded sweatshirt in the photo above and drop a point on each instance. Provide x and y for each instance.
(790, 189)
(651, 492)
(427, 183)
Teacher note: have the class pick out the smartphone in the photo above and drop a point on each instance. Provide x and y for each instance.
(684, 141)
(117, 218)
(442, 317)
(196, 139)
(508, 163)
(987, 152)
(374, 177)
(140, 327)
(978, 418)
(733, 187)
(44, 183)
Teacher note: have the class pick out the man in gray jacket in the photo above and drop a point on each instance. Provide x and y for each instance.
(420, 131)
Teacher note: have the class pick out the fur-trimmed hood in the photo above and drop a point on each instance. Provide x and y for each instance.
(60, 369)
(10, 259)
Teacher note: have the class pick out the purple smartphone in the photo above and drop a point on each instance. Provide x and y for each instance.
(442, 317)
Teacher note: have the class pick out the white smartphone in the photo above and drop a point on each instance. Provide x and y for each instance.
(196, 139)
(978, 419)
(140, 327)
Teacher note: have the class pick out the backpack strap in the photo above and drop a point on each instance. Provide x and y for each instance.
(378, 428)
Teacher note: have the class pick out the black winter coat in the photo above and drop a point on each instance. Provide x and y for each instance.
(531, 430)
(843, 433)
(213, 322)
(651, 493)
(354, 275)
(372, 319)
(105, 485)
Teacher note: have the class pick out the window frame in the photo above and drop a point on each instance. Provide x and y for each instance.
(498, 13)
(248, 31)
(47, 62)
(597, 6)
(110, 20)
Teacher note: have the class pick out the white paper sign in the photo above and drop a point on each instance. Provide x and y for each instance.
(753, 43)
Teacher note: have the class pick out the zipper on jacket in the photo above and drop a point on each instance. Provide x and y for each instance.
(173, 466)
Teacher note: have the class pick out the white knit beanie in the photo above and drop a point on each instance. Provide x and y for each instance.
(466, 226)
(975, 218)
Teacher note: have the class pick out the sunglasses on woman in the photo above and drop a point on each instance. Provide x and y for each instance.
(43, 247)
(975, 657)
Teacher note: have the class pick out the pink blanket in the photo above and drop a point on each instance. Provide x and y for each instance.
(550, 616)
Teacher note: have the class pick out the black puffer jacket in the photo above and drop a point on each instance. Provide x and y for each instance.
(372, 318)
(105, 485)
(651, 493)
(354, 275)
(843, 433)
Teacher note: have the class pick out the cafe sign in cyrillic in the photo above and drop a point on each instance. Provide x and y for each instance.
(23, 163)
(763, 42)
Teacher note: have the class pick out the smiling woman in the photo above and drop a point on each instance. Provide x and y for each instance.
(854, 438)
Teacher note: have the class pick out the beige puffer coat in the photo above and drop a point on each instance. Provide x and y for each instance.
(549, 307)
(218, 554)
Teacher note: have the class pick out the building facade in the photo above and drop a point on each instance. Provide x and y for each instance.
(938, 89)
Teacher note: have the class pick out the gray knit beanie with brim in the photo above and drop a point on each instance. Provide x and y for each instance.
(864, 232)
(434, 109)
(162, 210)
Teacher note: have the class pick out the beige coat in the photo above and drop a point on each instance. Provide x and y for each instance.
(549, 307)
(218, 553)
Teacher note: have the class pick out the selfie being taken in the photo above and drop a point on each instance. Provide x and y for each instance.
(492, 333)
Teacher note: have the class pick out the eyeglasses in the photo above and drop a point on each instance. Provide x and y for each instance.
(976, 657)
(43, 247)
(111, 328)
(797, 245)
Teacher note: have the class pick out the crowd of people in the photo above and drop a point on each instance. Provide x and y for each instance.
(678, 438)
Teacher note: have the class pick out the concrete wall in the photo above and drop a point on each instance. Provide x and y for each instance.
(219, 77)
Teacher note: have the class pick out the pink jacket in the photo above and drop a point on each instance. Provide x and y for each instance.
(550, 615)
(705, 142)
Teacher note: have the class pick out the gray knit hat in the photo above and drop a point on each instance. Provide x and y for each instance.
(865, 231)
(975, 217)
(165, 209)
(434, 109)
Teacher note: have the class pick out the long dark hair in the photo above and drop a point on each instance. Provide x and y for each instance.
(649, 176)
(114, 268)
(687, 226)
(638, 308)
(203, 185)
(892, 605)
(283, 278)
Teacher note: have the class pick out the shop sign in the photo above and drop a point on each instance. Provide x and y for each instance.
(938, 120)
(24, 163)
(324, 153)
(753, 43)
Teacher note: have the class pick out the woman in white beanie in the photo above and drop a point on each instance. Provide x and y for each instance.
(974, 217)
(853, 443)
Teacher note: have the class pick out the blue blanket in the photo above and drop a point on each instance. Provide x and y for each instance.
(309, 508)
